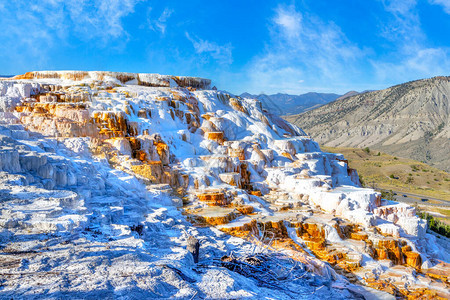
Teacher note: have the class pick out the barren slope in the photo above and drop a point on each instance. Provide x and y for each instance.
(408, 120)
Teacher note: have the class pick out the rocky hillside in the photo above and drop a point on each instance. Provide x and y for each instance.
(408, 120)
(285, 104)
(107, 178)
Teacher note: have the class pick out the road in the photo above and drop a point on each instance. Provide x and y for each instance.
(414, 198)
(429, 206)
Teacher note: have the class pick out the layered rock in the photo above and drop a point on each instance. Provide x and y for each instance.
(236, 166)
(145, 79)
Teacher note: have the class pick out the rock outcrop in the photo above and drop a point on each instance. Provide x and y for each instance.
(117, 150)
(145, 79)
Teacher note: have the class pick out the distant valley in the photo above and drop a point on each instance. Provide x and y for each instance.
(383, 171)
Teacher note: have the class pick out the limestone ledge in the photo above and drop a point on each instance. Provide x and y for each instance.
(145, 79)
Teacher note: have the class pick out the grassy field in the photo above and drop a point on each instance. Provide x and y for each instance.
(383, 171)
(443, 214)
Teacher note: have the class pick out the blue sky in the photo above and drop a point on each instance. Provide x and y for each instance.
(242, 45)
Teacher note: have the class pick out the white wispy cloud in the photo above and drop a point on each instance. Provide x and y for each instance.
(37, 27)
(305, 53)
(289, 21)
(99, 18)
(424, 63)
(302, 50)
(160, 23)
(413, 58)
(404, 22)
(401, 7)
(221, 54)
(162, 20)
(444, 3)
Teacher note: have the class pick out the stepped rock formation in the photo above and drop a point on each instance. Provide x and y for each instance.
(104, 177)
(145, 79)
(409, 120)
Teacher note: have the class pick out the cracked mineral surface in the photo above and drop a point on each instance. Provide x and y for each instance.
(104, 176)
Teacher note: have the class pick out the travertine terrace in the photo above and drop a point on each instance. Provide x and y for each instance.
(101, 154)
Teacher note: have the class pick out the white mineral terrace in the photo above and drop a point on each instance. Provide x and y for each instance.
(146, 79)
(104, 175)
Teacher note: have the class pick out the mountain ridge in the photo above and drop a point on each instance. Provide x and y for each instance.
(283, 104)
(409, 120)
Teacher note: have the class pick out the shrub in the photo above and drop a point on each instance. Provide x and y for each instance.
(388, 195)
(435, 225)
(367, 150)
(361, 180)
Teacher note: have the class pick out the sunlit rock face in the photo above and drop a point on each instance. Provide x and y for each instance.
(221, 159)
(154, 80)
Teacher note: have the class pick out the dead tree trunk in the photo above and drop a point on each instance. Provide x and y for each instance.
(193, 246)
